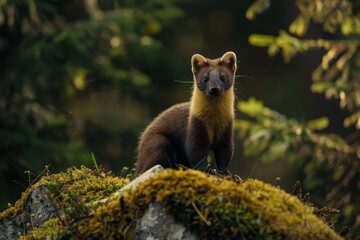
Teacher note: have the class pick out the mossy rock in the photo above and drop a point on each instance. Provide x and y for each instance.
(84, 183)
(209, 206)
(57, 193)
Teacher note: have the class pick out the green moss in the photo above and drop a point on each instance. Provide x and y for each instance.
(212, 207)
(85, 184)
(253, 205)
(52, 229)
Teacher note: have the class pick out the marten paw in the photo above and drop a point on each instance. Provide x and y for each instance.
(212, 171)
(236, 178)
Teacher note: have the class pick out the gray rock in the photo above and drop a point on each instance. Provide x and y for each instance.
(37, 210)
(146, 175)
(11, 228)
(134, 183)
(156, 224)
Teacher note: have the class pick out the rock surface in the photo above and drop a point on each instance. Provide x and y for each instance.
(146, 175)
(38, 209)
(156, 224)
(134, 183)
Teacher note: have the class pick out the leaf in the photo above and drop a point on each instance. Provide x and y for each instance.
(60, 37)
(276, 150)
(257, 8)
(347, 26)
(317, 74)
(79, 78)
(153, 26)
(318, 124)
(273, 50)
(299, 26)
(287, 53)
(352, 119)
(320, 87)
(338, 173)
(252, 107)
(345, 58)
(261, 40)
(33, 12)
(140, 79)
(243, 126)
(332, 141)
(257, 143)
(330, 56)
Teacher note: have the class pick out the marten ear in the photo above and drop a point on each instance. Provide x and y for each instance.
(197, 62)
(229, 59)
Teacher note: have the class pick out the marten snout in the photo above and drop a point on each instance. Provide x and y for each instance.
(214, 91)
(214, 83)
(214, 87)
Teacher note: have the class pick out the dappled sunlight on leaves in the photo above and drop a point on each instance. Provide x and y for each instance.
(326, 159)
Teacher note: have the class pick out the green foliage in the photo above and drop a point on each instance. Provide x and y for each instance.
(331, 14)
(335, 76)
(339, 70)
(330, 163)
(273, 136)
(54, 52)
(256, 8)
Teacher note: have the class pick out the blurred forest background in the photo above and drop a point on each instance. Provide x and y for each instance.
(87, 76)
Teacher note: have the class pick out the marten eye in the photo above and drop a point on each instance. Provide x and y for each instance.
(205, 78)
(223, 77)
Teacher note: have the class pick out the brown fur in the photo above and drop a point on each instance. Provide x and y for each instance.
(185, 133)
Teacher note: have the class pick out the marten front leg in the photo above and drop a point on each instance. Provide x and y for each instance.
(224, 150)
(197, 145)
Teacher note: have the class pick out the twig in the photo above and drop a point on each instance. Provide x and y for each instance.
(200, 214)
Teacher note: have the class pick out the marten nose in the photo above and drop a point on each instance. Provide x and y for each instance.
(214, 91)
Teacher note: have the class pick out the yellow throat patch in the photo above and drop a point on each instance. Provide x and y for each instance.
(215, 112)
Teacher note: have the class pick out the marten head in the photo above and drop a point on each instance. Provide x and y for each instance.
(214, 77)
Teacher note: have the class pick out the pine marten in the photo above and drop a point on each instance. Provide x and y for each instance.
(184, 134)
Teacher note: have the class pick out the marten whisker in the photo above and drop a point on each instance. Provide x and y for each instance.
(238, 95)
(175, 80)
(237, 98)
(244, 76)
(253, 169)
(239, 85)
